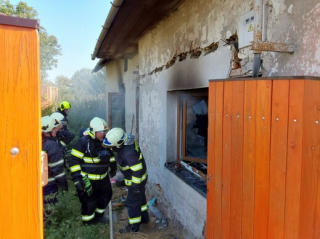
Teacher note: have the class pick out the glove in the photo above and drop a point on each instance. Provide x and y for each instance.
(104, 155)
(79, 186)
(112, 173)
(87, 185)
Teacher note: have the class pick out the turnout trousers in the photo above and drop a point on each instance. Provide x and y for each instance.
(93, 206)
(137, 207)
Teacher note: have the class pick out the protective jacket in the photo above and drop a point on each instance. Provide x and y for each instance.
(65, 136)
(56, 175)
(132, 165)
(88, 157)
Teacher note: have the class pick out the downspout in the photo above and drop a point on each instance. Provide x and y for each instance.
(115, 6)
(257, 35)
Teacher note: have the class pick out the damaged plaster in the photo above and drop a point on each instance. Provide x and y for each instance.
(184, 52)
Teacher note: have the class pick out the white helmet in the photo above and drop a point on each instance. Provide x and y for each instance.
(115, 137)
(97, 124)
(59, 117)
(48, 123)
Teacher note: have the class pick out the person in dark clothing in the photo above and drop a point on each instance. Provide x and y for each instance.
(66, 155)
(89, 165)
(56, 173)
(65, 136)
(132, 165)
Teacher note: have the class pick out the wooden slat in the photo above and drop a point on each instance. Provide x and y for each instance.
(261, 194)
(278, 158)
(249, 155)
(226, 163)
(236, 158)
(21, 189)
(211, 160)
(309, 206)
(295, 122)
(217, 226)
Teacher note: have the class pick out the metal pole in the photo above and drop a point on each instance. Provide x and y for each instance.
(110, 220)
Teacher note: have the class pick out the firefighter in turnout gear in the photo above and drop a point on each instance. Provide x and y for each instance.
(50, 145)
(132, 165)
(89, 165)
(65, 136)
(60, 117)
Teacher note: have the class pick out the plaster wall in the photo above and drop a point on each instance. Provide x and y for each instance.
(200, 23)
(206, 21)
(131, 82)
(158, 102)
(293, 21)
(114, 74)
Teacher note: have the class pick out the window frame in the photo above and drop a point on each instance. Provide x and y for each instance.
(182, 124)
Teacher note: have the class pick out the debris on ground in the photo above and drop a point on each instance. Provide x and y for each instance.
(157, 228)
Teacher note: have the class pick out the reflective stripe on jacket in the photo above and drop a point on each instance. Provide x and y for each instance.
(56, 173)
(84, 159)
(132, 164)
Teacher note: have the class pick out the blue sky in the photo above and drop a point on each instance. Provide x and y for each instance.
(77, 25)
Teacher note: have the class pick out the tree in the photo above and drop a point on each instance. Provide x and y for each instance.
(86, 93)
(49, 47)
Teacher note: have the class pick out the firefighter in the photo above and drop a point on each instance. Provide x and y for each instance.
(65, 136)
(50, 145)
(132, 165)
(60, 117)
(89, 165)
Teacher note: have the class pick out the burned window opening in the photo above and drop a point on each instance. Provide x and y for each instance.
(193, 126)
(197, 183)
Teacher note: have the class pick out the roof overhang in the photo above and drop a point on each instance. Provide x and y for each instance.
(126, 22)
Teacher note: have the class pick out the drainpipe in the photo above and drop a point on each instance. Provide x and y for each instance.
(257, 35)
(115, 6)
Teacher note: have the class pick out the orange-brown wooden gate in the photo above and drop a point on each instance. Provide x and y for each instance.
(264, 159)
(20, 137)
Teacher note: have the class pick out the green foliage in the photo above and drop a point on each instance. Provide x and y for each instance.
(87, 95)
(49, 47)
(48, 110)
(65, 220)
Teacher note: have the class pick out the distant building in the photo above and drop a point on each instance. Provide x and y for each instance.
(49, 95)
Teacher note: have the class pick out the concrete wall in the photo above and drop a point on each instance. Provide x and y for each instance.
(295, 22)
(201, 23)
(114, 72)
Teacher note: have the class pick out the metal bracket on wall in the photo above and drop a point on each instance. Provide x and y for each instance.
(260, 46)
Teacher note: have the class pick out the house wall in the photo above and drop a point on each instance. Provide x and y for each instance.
(199, 24)
(131, 82)
(114, 72)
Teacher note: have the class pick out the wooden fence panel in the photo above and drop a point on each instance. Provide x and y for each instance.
(249, 156)
(261, 190)
(20, 139)
(236, 158)
(217, 173)
(278, 158)
(211, 167)
(266, 159)
(309, 208)
(226, 156)
(293, 179)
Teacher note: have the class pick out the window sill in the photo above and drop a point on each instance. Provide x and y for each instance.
(189, 178)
